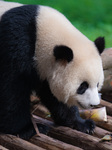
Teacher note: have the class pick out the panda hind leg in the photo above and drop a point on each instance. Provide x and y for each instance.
(15, 115)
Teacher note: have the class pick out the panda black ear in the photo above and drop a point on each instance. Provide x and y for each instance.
(63, 53)
(100, 44)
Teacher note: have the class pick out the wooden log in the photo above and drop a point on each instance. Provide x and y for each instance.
(107, 58)
(14, 143)
(107, 66)
(3, 148)
(107, 86)
(79, 139)
(98, 131)
(41, 110)
(51, 144)
(106, 125)
(107, 96)
(42, 121)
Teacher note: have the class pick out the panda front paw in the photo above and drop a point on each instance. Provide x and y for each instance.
(87, 126)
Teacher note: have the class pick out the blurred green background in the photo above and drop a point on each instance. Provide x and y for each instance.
(92, 17)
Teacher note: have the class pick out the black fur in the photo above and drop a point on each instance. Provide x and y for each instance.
(63, 53)
(18, 77)
(62, 114)
(82, 88)
(100, 44)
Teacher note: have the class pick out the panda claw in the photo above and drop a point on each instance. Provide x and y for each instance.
(87, 131)
(90, 126)
(92, 132)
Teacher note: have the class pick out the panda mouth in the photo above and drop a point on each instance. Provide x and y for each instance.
(83, 106)
(72, 102)
(86, 107)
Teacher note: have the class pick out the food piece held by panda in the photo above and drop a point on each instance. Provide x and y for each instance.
(98, 114)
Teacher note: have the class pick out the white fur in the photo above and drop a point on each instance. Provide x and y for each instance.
(89, 98)
(54, 29)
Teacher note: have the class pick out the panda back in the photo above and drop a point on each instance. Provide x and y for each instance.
(5, 6)
(18, 35)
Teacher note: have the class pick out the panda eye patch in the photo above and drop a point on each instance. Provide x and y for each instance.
(82, 88)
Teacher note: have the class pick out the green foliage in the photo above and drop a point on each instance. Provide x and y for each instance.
(91, 17)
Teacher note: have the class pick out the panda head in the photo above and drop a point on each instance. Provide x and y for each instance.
(77, 80)
(68, 60)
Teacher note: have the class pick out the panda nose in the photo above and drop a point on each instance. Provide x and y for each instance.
(91, 105)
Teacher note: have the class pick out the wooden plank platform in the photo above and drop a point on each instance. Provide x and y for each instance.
(61, 138)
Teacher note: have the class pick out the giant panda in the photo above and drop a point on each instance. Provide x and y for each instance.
(40, 50)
